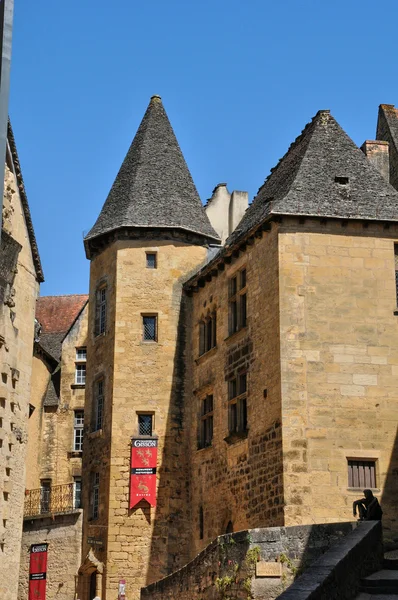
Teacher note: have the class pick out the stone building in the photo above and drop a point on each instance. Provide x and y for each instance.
(255, 347)
(20, 276)
(52, 512)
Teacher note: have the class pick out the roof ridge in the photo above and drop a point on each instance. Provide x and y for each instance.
(24, 202)
(295, 143)
(62, 295)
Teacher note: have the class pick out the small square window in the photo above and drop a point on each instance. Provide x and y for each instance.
(151, 260)
(149, 328)
(361, 473)
(145, 424)
(81, 353)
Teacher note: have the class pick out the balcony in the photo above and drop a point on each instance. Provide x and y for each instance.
(50, 500)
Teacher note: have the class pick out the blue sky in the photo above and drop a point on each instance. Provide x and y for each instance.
(239, 81)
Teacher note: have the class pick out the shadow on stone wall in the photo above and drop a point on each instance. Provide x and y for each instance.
(236, 565)
(389, 500)
(169, 543)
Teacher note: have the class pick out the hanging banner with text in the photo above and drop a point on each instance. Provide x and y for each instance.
(144, 456)
(38, 572)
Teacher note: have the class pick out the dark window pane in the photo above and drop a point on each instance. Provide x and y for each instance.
(214, 336)
(243, 310)
(151, 260)
(202, 338)
(232, 393)
(209, 334)
(232, 287)
(243, 278)
(242, 383)
(145, 424)
(201, 523)
(233, 316)
(242, 406)
(233, 420)
(149, 329)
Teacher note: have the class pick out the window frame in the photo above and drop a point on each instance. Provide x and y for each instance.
(78, 429)
(208, 332)
(77, 492)
(154, 316)
(362, 480)
(145, 414)
(101, 302)
(206, 421)
(237, 301)
(237, 404)
(95, 495)
(153, 253)
(99, 404)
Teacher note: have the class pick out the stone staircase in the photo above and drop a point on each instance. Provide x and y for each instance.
(382, 585)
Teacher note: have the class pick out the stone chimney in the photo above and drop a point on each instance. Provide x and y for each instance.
(225, 210)
(377, 152)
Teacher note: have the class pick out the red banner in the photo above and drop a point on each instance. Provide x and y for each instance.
(38, 572)
(144, 456)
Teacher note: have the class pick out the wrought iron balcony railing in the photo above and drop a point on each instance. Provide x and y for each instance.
(51, 499)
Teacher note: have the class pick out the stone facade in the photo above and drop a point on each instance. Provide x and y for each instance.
(20, 279)
(238, 482)
(143, 543)
(54, 458)
(338, 354)
(63, 534)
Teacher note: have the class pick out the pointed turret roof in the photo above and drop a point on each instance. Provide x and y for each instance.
(154, 187)
(323, 174)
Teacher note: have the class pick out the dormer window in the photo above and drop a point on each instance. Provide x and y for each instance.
(341, 180)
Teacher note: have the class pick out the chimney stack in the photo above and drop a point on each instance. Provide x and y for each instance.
(225, 210)
(377, 152)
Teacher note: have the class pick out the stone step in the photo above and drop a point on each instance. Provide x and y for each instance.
(390, 564)
(381, 582)
(376, 596)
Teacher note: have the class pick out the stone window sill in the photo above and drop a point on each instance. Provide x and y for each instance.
(205, 355)
(75, 453)
(78, 386)
(95, 434)
(234, 335)
(205, 448)
(233, 438)
(359, 490)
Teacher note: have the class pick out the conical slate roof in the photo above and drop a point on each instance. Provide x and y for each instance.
(323, 174)
(154, 187)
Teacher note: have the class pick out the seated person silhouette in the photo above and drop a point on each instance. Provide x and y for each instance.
(368, 507)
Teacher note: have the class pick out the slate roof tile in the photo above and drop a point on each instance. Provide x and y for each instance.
(304, 181)
(154, 187)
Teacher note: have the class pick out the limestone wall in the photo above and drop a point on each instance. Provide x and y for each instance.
(16, 331)
(41, 373)
(235, 566)
(63, 534)
(339, 334)
(238, 481)
(144, 543)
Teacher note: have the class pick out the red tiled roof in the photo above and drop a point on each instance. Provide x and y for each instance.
(57, 313)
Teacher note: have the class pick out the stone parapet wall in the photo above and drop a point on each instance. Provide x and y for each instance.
(232, 565)
(336, 575)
